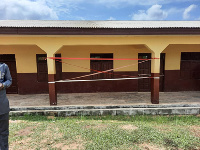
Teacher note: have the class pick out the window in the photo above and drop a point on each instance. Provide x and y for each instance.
(190, 65)
(101, 65)
(42, 72)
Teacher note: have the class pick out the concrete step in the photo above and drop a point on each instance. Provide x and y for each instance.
(112, 111)
(20, 108)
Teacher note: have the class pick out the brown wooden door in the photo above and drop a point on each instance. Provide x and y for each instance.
(95, 66)
(190, 66)
(107, 66)
(162, 71)
(42, 71)
(9, 59)
(144, 70)
(13, 89)
(101, 65)
(58, 64)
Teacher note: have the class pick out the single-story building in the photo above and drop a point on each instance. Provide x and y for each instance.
(164, 55)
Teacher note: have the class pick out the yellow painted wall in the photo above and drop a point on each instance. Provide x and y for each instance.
(81, 46)
(173, 55)
(130, 51)
(51, 43)
(25, 56)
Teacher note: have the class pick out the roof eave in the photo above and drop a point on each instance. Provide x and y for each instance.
(97, 31)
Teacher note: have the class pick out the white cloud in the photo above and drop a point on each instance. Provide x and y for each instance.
(153, 13)
(111, 18)
(25, 9)
(120, 3)
(69, 9)
(74, 4)
(63, 6)
(186, 12)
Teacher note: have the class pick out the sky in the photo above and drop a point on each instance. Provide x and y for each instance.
(100, 10)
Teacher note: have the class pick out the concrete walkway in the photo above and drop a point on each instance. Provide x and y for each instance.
(131, 103)
(117, 98)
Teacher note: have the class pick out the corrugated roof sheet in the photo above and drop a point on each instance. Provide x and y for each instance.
(99, 24)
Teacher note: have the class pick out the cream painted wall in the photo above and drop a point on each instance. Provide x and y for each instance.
(128, 51)
(173, 55)
(82, 46)
(25, 56)
(51, 43)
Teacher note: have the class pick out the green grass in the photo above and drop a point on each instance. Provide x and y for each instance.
(105, 132)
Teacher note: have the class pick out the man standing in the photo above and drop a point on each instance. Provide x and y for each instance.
(5, 82)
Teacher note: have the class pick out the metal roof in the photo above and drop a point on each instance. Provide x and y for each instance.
(99, 24)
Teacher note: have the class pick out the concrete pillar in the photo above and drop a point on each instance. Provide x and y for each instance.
(51, 78)
(51, 46)
(155, 74)
(156, 48)
(155, 88)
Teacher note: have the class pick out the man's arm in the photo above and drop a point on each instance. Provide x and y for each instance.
(7, 78)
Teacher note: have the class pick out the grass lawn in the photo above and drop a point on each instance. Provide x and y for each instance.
(105, 133)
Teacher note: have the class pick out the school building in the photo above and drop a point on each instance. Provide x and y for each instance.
(174, 46)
